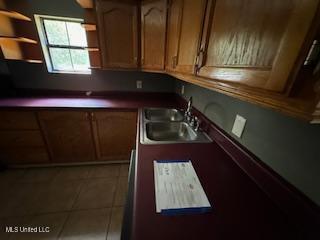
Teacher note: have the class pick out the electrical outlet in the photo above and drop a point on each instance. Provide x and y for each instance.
(139, 84)
(238, 126)
(182, 89)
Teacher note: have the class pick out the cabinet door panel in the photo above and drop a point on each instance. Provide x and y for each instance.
(118, 34)
(24, 155)
(21, 138)
(255, 43)
(173, 32)
(184, 33)
(153, 34)
(69, 135)
(18, 120)
(115, 134)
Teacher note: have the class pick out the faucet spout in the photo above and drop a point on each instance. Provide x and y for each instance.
(188, 111)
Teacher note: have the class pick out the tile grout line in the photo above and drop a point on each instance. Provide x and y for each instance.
(83, 181)
(71, 208)
(63, 225)
(112, 205)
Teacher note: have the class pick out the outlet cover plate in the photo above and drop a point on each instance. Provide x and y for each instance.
(139, 84)
(238, 126)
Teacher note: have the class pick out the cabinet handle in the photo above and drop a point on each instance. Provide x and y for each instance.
(201, 57)
(199, 60)
(313, 53)
(196, 64)
(87, 116)
(92, 117)
(174, 62)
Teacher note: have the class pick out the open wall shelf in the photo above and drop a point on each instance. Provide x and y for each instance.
(92, 49)
(89, 26)
(13, 14)
(32, 61)
(85, 3)
(18, 39)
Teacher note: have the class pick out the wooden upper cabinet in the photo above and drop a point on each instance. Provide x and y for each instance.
(68, 135)
(115, 134)
(153, 34)
(185, 18)
(118, 33)
(255, 43)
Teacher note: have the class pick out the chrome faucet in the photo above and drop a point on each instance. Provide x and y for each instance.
(187, 113)
(193, 121)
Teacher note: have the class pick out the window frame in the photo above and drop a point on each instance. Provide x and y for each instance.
(39, 20)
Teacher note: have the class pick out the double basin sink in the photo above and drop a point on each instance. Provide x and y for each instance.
(167, 126)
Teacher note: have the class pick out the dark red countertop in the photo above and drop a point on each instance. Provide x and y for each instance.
(120, 100)
(241, 210)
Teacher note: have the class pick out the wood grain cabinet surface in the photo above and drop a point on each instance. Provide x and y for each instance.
(118, 33)
(21, 141)
(24, 120)
(68, 135)
(153, 34)
(185, 18)
(115, 134)
(251, 50)
(255, 43)
(84, 136)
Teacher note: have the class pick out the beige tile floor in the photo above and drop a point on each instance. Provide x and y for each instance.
(81, 202)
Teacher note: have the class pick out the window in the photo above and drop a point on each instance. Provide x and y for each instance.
(64, 44)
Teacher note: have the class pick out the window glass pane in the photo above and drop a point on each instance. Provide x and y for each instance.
(77, 34)
(56, 32)
(80, 59)
(61, 59)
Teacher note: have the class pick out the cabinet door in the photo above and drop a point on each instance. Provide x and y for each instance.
(184, 34)
(68, 135)
(117, 25)
(153, 34)
(15, 120)
(115, 134)
(173, 29)
(255, 43)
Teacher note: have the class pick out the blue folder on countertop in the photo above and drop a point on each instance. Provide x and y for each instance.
(178, 190)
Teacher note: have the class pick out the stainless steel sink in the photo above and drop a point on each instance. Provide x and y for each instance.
(174, 131)
(163, 114)
(167, 126)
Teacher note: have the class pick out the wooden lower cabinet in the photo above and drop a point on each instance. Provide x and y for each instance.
(68, 135)
(24, 120)
(24, 155)
(115, 134)
(84, 136)
(21, 140)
